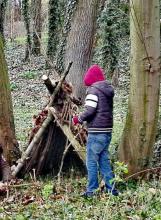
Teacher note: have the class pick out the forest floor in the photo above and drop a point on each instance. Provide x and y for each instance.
(47, 198)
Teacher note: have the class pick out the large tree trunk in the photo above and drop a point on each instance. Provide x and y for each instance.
(80, 42)
(69, 11)
(141, 122)
(7, 132)
(37, 27)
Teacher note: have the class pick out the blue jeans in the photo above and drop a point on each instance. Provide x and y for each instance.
(97, 157)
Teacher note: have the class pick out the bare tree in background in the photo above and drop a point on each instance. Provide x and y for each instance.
(37, 26)
(53, 29)
(26, 15)
(3, 5)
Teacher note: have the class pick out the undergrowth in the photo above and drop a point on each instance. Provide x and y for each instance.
(45, 200)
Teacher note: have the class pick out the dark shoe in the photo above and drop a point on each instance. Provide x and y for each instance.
(87, 194)
(114, 192)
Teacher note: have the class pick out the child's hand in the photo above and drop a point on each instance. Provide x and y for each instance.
(75, 120)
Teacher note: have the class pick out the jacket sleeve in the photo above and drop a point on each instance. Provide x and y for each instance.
(91, 102)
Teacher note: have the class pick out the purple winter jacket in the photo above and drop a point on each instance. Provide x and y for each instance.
(99, 107)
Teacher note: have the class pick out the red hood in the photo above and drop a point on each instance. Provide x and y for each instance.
(93, 75)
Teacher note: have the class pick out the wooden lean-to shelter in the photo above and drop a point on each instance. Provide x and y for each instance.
(54, 143)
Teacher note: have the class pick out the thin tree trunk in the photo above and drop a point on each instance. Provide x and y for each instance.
(37, 27)
(3, 5)
(17, 10)
(25, 6)
(53, 29)
(12, 23)
(7, 132)
(141, 122)
(80, 42)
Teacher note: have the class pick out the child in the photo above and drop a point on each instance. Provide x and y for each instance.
(99, 117)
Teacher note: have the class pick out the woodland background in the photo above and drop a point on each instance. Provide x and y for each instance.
(30, 57)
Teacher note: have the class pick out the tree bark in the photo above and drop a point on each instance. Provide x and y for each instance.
(69, 11)
(53, 29)
(5, 170)
(37, 27)
(141, 122)
(3, 5)
(25, 6)
(7, 131)
(80, 42)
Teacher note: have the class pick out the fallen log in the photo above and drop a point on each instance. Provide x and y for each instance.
(40, 132)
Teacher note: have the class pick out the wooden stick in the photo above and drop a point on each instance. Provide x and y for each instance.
(66, 112)
(40, 132)
(24, 185)
(142, 172)
(64, 154)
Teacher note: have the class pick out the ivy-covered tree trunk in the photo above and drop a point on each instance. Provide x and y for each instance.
(113, 27)
(7, 132)
(37, 27)
(53, 29)
(3, 5)
(80, 42)
(70, 8)
(110, 32)
(25, 6)
(141, 123)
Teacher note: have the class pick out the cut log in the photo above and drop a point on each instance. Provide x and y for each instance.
(49, 84)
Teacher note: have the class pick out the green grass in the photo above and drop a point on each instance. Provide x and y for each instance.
(137, 201)
(13, 86)
(23, 123)
(29, 74)
(22, 40)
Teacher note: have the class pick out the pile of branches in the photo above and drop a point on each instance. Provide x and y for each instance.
(47, 140)
(65, 106)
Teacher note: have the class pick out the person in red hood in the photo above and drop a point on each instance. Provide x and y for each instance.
(98, 114)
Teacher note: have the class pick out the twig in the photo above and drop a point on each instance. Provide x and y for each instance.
(24, 185)
(141, 172)
(62, 161)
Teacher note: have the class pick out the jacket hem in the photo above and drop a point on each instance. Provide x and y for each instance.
(99, 130)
